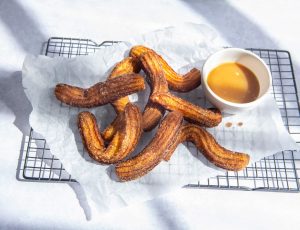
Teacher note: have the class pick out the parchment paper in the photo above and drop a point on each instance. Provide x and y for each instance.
(183, 47)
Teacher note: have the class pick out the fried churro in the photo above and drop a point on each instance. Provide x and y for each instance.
(100, 93)
(152, 114)
(209, 147)
(176, 82)
(112, 128)
(124, 140)
(155, 76)
(191, 112)
(154, 152)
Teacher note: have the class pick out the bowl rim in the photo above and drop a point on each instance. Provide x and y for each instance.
(233, 104)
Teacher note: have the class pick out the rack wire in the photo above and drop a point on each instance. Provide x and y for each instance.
(278, 172)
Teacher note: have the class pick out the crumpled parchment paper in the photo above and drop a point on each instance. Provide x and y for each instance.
(183, 47)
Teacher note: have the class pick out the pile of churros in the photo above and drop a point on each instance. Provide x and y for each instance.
(184, 121)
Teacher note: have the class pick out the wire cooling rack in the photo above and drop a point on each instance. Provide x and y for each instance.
(274, 173)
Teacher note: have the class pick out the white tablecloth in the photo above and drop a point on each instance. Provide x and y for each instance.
(25, 25)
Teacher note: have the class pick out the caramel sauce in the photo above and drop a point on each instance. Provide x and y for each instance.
(240, 124)
(228, 124)
(234, 82)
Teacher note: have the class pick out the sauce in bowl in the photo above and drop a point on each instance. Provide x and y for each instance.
(234, 82)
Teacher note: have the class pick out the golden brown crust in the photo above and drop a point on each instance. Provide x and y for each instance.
(191, 112)
(100, 93)
(155, 76)
(154, 152)
(124, 140)
(137, 51)
(176, 82)
(152, 114)
(206, 143)
(112, 128)
(126, 66)
(150, 118)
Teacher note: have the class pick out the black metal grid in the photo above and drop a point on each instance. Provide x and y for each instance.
(274, 173)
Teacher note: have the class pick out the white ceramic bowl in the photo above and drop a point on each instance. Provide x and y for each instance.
(246, 58)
